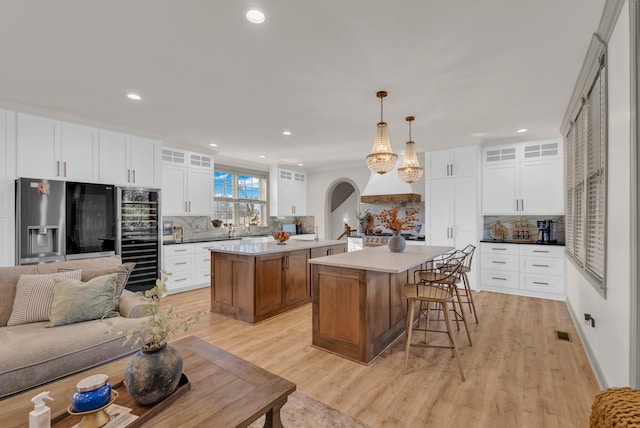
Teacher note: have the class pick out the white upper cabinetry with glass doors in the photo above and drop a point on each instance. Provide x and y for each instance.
(287, 192)
(187, 183)
(523, 178)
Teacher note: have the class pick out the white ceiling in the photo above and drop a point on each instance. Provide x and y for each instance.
(470, 71)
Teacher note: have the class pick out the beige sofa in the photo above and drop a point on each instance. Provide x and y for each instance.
(33, 354)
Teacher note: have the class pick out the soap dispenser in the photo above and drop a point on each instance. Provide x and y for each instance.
(40, 416)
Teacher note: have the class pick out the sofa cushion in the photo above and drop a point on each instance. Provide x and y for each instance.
(34, 295)
(75, 301)
(123, 271)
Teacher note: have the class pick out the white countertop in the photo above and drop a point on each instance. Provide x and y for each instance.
(260, 248)
(380, 259)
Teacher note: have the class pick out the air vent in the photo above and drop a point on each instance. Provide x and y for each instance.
(563, 335)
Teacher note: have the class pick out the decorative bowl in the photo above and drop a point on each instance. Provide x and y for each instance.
(281, 236)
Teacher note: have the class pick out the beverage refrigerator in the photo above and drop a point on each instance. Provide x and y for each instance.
(140, 235)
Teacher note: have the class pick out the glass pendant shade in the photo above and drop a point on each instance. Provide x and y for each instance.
(382, 159)
(410, 170)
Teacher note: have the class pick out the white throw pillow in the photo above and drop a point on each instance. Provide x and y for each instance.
(34, 296)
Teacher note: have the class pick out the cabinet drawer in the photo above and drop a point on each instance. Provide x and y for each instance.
(500, 262)
(501, 279)
(542, 283)
(203, 261)
(202, 276)
(542, 265)
(542, 250)
(178, 250)
(179, 263)
(179, 280)
(499, 248)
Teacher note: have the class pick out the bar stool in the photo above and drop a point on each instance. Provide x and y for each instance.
(434, 286)
(467, 296)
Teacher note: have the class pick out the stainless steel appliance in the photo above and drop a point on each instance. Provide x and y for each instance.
(140, 235)
(40, 226)
(547, 232)
(90, 219)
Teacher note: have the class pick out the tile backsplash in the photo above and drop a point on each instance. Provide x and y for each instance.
(516, 225)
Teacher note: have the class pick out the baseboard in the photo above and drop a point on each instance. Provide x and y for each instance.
(577, 321)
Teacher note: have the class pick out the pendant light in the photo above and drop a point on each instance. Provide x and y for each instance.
(381, 159)
(410, 170)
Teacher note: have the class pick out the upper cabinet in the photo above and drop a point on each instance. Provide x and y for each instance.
(53, 149)
(525, 178)
(458, 162)
(127, 160)
(187, 182)
(287, 192)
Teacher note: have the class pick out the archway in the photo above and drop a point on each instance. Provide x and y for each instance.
(341, 203)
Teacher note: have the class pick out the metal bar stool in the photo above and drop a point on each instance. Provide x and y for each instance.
(467, 296)
(434, 286)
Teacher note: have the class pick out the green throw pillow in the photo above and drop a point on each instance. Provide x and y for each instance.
(76, 301)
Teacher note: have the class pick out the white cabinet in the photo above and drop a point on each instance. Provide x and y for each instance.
(128, 160)
(452, 202)
(187, 183)
(523, 269)
(523, 178)
(189, 264)
(54, 149)
(459, 162)
(287, 192)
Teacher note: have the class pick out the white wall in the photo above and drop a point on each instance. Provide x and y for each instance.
(346, 210)
(609, 343)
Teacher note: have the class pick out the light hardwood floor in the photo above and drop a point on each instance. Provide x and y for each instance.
(518, 373)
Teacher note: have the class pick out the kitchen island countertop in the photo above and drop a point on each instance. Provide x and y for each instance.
(260, 248)
(380, 259)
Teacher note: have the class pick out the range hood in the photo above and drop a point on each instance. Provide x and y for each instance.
(388, 188)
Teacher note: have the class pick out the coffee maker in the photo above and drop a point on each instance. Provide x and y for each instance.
(546, 232)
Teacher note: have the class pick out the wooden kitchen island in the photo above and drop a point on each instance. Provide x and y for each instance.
(359, 307)
(254, 281)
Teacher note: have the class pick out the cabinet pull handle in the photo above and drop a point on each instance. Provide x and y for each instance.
(189, 202)
(497, 277)
(58, 169)
(65, 168)
(501, 249)
(180, 251)
(180, 263)
(540, 283)
(452, 170)
(128, 176)
(498, 262)
(186, 209)
(522, 204)
(540, 251)
(207, 274)
(540, 265)
(134, 175)
(181, 279)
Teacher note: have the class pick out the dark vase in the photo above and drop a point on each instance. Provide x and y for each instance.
(151, 376)
(396, 243)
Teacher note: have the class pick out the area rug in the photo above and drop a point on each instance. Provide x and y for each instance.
(302, 411)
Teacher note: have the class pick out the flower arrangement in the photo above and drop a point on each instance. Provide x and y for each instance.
(389, 219)
(281, 236)
(162, 324)
(362, 216)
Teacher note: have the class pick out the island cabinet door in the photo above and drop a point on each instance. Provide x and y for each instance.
(231, 291)
(270, 271)
(297, 285)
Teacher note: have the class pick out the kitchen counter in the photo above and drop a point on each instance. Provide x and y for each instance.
(359, 308)
(493, 241)
(262, 248)
(196, 240)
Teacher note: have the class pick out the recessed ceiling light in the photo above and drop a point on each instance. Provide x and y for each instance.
(286, 132)
(134, 97)
(255, 16)
(262, 156)
(300, 164)
(213, 144)
(522, 130)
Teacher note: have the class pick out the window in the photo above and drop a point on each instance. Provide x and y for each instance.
(585, 165)
(240, 196)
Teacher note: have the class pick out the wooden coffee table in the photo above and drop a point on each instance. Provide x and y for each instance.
(226, 391)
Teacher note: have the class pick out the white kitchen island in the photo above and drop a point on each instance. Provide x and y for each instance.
(359, 307)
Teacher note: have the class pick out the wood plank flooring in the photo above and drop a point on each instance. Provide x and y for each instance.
(518, 373)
